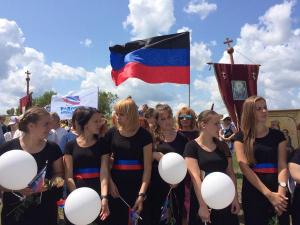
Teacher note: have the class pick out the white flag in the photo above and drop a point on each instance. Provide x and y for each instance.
(64, 106)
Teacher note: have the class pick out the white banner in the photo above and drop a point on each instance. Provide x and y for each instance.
(64, 106)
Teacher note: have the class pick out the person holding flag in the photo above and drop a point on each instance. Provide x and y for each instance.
(131, 146)
(35, 204)
(166, 139)
(86, 158)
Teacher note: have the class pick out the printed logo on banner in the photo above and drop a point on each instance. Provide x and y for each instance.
(73, 100)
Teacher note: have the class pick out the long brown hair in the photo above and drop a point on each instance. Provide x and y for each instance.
(157, 133)
(248, 126)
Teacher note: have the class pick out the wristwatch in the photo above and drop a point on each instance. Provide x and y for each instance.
(282, 184)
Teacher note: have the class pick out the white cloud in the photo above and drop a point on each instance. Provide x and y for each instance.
(275, 45)
(86, 42)
(149, 17)
(200, 55)
(16, 58)
(202, 8)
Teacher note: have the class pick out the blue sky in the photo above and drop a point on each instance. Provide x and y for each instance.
(65, 46)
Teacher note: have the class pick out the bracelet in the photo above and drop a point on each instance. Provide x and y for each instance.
(104, 197)
(142, 195)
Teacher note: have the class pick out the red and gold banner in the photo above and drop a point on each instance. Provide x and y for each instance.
(236, 83)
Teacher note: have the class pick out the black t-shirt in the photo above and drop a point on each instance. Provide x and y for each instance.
(296, 157)
(87, 162)
(177, 145)
(128, 148)
(265, 148)
(215, 161)
(45, 212)
(125, 149)
(266, 151)
(190, 135)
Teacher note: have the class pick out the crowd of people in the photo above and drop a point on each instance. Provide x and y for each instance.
(118, 157)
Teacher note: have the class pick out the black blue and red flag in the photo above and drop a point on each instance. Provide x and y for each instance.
(161, 59)
(39, 180)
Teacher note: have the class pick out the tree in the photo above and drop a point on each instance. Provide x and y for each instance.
(44, 99)
(105, 102)
(10, 112)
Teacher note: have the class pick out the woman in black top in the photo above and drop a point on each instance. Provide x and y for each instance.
(86, 158)
(294, 167)
(167, 139)
(186, 123)
(131, 147)
(205, 155)
(39, 207)
(261, 154)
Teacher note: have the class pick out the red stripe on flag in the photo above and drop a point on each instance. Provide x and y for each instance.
(152, 74)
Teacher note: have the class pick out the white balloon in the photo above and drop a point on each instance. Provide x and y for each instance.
(82, 206)
(17, 169)
(172, 168)
(217, 190)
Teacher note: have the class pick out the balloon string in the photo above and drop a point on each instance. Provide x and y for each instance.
(22, 197)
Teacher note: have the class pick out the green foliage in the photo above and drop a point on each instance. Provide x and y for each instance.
(44, 99)
(105, 102)
(10, 112)
(274, 220)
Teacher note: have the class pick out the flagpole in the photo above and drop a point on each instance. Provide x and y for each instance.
(189, 94)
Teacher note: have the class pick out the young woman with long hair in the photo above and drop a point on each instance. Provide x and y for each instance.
(261, 154)
(131, 146)
(39, 207)
(204, 155)
(166, 139)
(86, 158)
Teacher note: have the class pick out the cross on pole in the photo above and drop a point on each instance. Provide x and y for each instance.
(27, 81)
(230, 49)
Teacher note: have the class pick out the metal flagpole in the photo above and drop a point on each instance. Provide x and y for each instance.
(190, 94)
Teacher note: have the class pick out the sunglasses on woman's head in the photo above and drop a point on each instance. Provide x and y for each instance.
(184, 116)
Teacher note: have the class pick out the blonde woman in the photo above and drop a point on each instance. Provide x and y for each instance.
(204, 155)
(131, 146)
(261, 154)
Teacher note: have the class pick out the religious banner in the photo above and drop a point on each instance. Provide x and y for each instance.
(25, 103)
(64, 106)
(161, 59)
(236, 83)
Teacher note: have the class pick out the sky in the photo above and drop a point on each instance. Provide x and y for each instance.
(64, 44)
